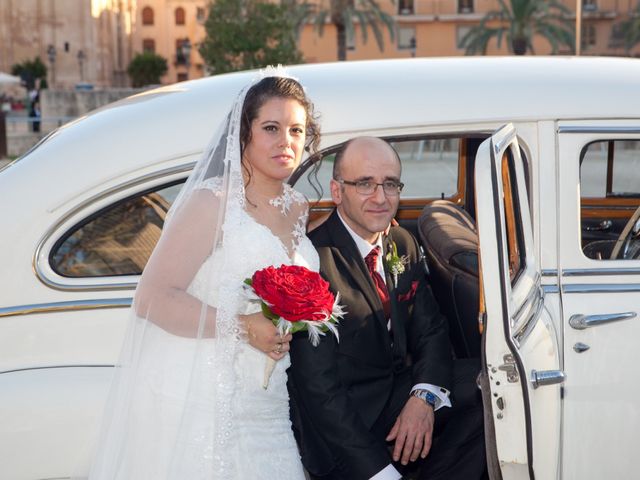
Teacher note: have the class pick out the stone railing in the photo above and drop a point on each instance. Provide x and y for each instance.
(57, 108)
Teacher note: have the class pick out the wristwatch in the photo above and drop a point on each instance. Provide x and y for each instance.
(425, 395)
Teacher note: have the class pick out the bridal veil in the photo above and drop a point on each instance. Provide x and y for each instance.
(169, 411)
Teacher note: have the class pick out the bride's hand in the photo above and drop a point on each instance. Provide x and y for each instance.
(264, 336)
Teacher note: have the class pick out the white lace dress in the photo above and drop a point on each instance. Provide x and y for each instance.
(198, 409)
(262, 442)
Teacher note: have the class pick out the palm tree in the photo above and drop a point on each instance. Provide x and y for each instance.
(629, 29)
(343, 14)
(521, 20)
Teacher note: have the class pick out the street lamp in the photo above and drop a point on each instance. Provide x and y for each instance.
(81, 57)
(51, 54)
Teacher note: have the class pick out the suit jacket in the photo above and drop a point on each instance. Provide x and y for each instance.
(339, 389)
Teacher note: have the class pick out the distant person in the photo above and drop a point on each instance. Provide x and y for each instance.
(34, 114)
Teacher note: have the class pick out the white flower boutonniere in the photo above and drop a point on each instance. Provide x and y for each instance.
(394, 263)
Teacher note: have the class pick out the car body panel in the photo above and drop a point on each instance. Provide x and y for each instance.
(55, 331)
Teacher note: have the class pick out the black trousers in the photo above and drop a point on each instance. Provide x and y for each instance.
(457, 450)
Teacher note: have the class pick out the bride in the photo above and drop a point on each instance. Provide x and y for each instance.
(188, 400)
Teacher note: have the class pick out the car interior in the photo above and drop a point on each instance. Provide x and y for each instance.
(610, 198)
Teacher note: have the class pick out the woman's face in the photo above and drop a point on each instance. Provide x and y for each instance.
(277, 139)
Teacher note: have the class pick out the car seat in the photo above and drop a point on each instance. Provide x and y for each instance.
(450, 240)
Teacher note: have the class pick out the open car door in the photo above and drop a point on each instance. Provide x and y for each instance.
(522, 378)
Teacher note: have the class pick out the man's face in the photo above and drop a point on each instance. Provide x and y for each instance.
(373, 160)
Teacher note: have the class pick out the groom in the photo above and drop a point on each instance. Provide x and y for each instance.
(380, 397)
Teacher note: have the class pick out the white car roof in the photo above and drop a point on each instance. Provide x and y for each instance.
(177, 120)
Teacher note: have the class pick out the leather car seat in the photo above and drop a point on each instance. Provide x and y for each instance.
(450, 240)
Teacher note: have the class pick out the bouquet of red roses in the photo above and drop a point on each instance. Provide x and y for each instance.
(295, 299)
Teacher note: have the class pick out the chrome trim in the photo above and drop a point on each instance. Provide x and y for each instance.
(118, 188)
(582, 322)
(585, 129)
(525, 329)
(506, 135)
(609, 207)
(28, 369)
(91, 287)
(66, 306)
(601, 288)
(549, 273)
(584, 272)
(581, 347)
(528, 302)
(550, 289)
(547, 377)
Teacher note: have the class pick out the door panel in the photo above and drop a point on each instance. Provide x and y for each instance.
(601, 416)
(520, 339)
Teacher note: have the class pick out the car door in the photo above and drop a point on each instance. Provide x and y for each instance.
(598, 165)
(522, 376)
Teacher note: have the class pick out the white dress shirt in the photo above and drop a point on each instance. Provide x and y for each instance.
(442, 394)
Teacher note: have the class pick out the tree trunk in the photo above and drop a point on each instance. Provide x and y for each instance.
(519, 46)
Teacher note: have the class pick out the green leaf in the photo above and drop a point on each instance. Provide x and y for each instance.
(266, 311)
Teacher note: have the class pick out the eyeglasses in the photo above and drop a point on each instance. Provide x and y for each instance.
(391, 188)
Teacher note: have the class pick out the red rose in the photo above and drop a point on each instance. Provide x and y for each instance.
(294, 293)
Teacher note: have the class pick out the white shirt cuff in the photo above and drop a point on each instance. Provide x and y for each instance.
(442, 394)
(387, 473)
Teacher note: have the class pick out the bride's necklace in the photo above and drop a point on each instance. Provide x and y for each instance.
(284, 200)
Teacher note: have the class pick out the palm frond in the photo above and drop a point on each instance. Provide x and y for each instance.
(347, 16)
(377, 32)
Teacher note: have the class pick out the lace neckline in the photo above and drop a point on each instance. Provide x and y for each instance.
(285, 200)
(299, 230)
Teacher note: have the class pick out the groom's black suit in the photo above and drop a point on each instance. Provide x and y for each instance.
(346, 395)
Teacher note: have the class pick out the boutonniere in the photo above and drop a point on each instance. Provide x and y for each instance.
(395, 263)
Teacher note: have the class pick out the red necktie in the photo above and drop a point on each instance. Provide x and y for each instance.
(372, 260)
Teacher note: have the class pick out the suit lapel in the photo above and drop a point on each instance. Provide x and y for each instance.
(346, 252)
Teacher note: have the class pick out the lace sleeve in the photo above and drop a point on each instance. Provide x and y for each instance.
(214, 184)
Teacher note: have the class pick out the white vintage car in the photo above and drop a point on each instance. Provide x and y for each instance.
(533, 162)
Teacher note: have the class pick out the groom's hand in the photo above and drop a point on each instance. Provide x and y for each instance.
(412, 431)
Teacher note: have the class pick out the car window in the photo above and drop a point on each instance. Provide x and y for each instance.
(610, 194)
(117, 240)
(610, 168)
(429, 169)
(513, 219)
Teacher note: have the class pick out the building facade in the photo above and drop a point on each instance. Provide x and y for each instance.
(174, 30)
(80, 41)
(93, 41)
(427, 28)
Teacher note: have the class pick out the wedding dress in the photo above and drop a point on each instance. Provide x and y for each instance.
(188, 400)
(263, 443)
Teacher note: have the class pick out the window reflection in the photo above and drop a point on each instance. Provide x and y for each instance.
(117, 240)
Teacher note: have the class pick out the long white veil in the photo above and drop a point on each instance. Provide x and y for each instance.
(169, 413)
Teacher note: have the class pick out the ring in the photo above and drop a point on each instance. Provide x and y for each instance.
(278, 349)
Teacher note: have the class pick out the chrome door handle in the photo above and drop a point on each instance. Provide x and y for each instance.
(547, 377)
(603, 226)
(580, 322)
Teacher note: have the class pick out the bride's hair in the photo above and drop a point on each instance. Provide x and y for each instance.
(278, 87)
